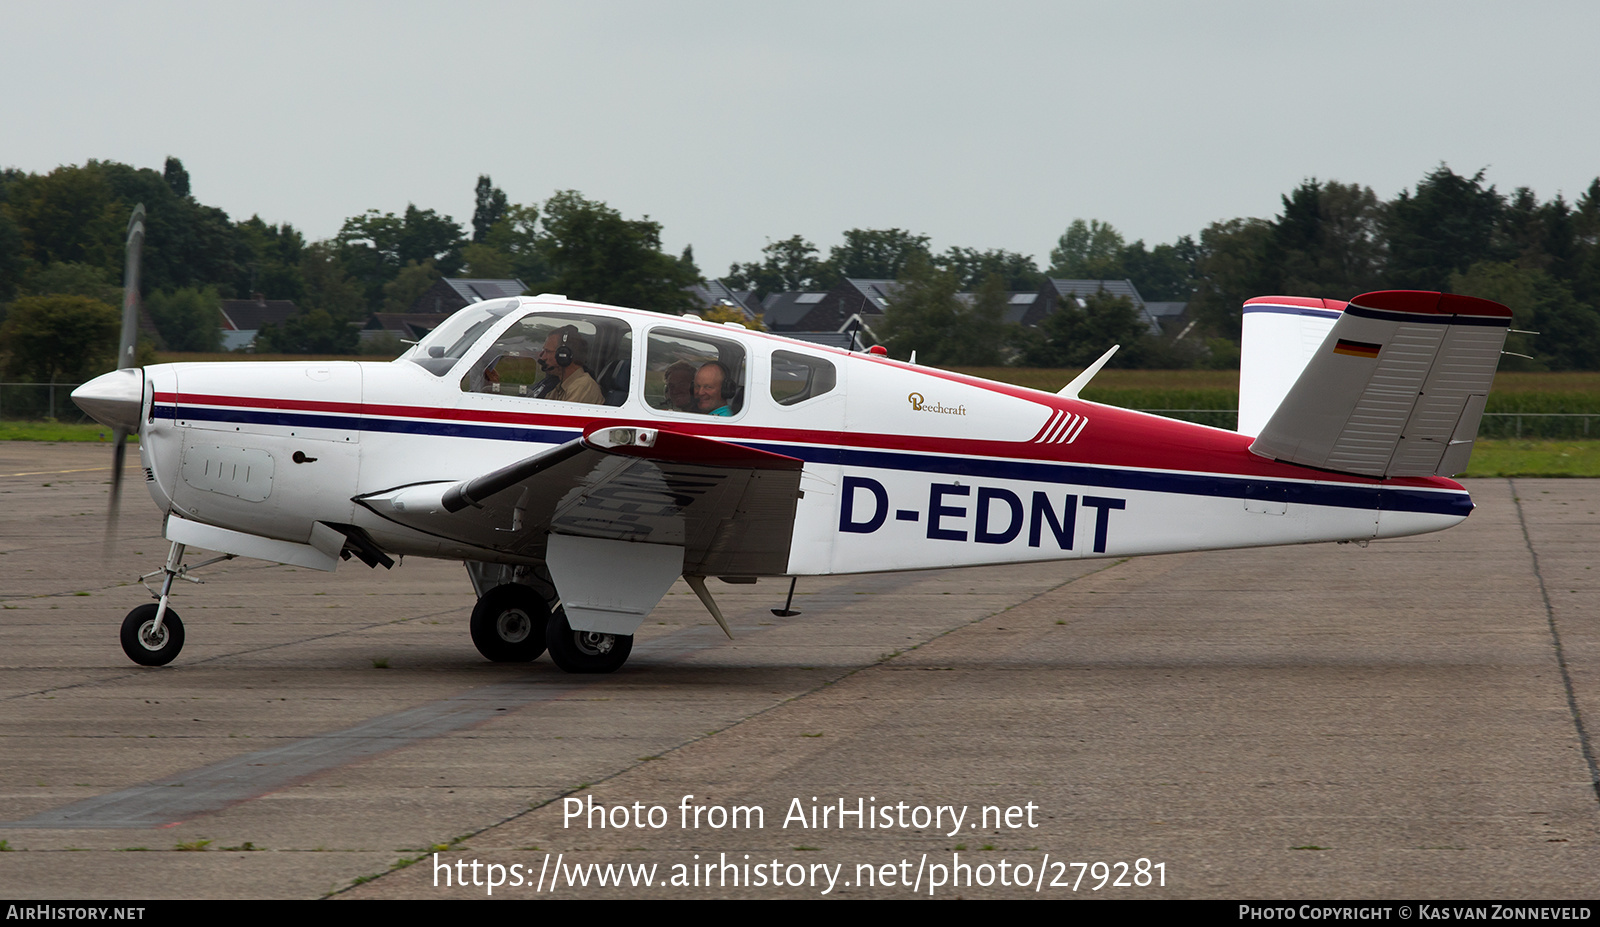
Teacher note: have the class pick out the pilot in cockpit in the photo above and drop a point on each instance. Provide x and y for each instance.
(564, 356)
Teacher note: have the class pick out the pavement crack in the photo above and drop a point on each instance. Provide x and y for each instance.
(1561, 655)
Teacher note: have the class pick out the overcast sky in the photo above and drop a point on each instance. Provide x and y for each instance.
(986, 125)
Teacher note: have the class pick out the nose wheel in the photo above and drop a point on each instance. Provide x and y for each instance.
(148, 643)
(152, 635)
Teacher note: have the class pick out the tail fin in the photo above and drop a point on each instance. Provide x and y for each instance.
(1281, 335)
(1396, 388)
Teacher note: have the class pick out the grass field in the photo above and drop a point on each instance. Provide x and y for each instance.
(56, 431)
(1498, 457)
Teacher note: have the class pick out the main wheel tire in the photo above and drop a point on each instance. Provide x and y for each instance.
(585, 651)
(145, 648)
(508, 623)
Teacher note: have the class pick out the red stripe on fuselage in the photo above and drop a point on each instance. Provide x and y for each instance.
(1115, 438)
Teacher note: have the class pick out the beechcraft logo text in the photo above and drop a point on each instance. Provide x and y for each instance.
(919, 404)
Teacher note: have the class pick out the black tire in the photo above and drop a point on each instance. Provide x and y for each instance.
(508, 623)
(145, 650)
(585, 651)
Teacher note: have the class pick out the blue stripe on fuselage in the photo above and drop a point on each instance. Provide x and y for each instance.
(284, 419)
(1387, 498)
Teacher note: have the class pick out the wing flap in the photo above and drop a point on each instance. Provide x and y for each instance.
(730, 508)
(1397, 388)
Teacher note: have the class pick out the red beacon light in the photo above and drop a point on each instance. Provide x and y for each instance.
(879, 350)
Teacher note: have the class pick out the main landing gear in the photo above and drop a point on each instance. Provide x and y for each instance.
(585, 651)
(152, 635)
(514, 623)
(508, 623)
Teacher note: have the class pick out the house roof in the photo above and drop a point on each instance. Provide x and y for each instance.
(1019, 304)
(877, 293)
(782, 310)
(714, 293)
(476, 290)
(408, 325)
(1080, 289)
(249, 315)
(448, 295)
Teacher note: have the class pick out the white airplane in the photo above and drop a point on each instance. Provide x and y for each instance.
(580, 458)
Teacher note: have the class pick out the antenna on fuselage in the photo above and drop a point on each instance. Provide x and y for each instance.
(854, 330)
(1071, 390)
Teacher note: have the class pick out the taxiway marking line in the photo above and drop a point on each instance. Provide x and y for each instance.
(54, 472)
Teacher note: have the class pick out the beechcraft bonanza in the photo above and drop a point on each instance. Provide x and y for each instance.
(580, 458)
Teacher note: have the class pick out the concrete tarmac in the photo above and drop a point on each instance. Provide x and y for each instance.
(1407, 720)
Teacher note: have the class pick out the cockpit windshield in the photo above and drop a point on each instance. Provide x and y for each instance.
(439, 351)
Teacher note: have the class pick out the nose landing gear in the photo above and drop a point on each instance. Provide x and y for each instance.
(152, 635)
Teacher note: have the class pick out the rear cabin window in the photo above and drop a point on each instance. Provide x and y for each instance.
(798, 377)
(693, 374)
(557, 356)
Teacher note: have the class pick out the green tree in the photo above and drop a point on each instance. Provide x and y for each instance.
(485, 261)
(1326, 243)
(1585, 273)
(517, 236)
(186, 242)
(724, 314)
(787, 266)
(929, 315)
(70, 214)
(1568, 331)
(314, 332)
(272, 267)
(328, 286)
(70, 278)
(1230, 268)
(189, 319)
(13, 262)
(876, 254)
(599, 256)
(401, 293)
(1088, 251)
(1164, 272)
(1445, 227)
(376, 246)
(490, 208)
(176, 177)
(972, 267)
(59, 338)
(1076, 335)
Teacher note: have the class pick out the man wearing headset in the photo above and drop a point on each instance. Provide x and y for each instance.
(713, 389)
(563, 358)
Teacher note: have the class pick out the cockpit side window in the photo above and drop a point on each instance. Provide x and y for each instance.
(690, 373)
(798, 377)
(447, 344)
(557, 356)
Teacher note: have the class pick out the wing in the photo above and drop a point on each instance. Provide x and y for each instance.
(730, 508)
(1397, 388)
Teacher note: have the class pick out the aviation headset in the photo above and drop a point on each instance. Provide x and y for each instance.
(565, 355)
(729, 387)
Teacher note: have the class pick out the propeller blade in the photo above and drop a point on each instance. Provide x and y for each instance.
(130, 288)
(118, 452)
(126, 349)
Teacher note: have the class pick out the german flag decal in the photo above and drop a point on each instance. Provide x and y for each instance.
(1357, 348)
